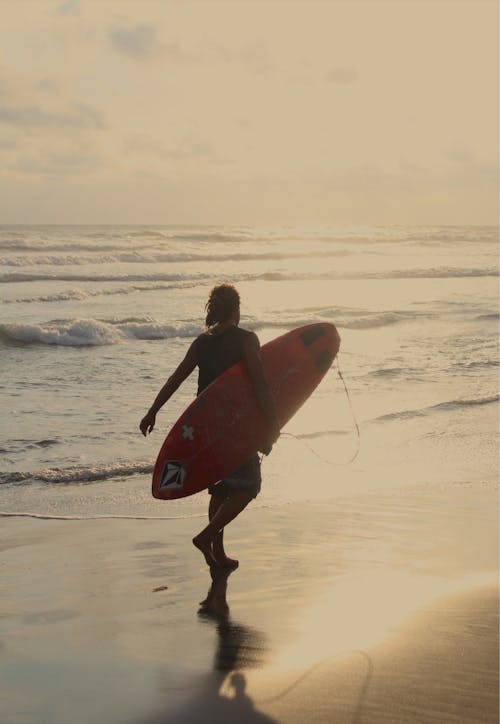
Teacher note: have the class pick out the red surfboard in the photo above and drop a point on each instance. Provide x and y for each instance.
(224, 425)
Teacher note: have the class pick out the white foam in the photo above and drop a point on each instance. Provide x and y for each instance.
(93, 332)
(78, 474)
(77, 333)
(82, 294)
(48, 516)
(15, 277)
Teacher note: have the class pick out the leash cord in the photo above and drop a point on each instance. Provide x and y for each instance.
(355, 423)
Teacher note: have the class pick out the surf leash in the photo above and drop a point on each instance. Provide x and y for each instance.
(330, 660)
(355, 424)
(355, 421)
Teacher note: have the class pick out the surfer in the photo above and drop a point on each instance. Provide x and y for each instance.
(222, 345)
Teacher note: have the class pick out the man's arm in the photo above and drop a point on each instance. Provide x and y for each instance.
(171, 385)
(263, 394)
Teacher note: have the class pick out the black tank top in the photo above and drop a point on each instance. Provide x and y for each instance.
(218, 352)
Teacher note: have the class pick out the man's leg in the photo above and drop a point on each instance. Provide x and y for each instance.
(218, 540)
(222, 514)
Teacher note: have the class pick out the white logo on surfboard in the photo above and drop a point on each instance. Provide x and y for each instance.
(173, 475)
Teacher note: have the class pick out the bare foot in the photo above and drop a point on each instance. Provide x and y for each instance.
(226, 562)
(229, 564)
(205, 546)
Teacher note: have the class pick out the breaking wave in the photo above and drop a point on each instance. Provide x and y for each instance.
(275, 276)
(93, 332)
(69, 240)
(420, 273)
(77, 474)
(493, 317)
(372, 321)
(135, 257)
(99, 332)
(13, 277)
(82, 294)
(441, 406)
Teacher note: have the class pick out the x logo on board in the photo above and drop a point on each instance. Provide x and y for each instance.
(187, 432)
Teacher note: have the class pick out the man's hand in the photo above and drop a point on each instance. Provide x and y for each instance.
(147, 423)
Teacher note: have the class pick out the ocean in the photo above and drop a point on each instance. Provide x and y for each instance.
(93, 319)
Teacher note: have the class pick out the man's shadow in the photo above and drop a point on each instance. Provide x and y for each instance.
(239, 647)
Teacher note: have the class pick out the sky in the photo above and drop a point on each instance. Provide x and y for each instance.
(253, 112)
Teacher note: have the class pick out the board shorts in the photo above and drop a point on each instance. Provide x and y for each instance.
(247, 477)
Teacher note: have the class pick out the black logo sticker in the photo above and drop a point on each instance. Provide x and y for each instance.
(173, 475)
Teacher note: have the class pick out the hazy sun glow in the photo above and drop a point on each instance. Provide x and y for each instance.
(360, 611)
(249, 112)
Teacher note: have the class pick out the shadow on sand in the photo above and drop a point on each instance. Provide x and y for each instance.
(239, 647)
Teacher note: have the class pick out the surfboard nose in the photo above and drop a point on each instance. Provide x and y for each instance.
(313, 332)
(325, 340)
(310, 334)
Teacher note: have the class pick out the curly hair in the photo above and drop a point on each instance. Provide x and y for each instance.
(222, 302)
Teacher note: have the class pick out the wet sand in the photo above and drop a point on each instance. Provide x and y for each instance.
(372, 609)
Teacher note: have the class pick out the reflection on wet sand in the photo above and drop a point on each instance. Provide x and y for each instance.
(239, 647)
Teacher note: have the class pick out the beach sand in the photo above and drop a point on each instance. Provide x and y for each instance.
(381, 608)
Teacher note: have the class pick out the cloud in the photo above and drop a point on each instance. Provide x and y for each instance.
(62, 163)
(142, 43)
(464, 167)
(412, 177)
(342, 75)
(30, 102)
(254, 55)
(70, 7)
(139, 42)
(77, 115)
(190, 147)
(45, 132)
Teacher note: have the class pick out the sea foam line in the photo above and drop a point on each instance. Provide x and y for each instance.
(135, 257)
(96, 332)
(15, 277)
(93, 332)
(47, 516)
(82, 294)
(420, 273)
(77, 474)
(117, 240)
